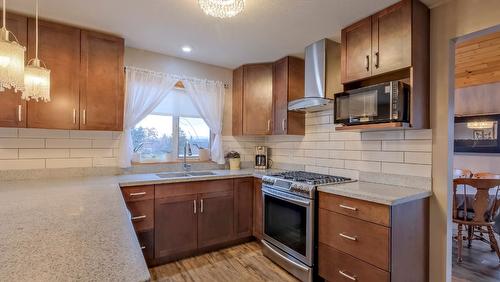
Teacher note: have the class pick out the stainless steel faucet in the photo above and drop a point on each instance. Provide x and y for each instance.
(187, 151)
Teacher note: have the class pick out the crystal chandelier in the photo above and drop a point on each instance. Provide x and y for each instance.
(36, 77)
(222, 8)
(11, 59)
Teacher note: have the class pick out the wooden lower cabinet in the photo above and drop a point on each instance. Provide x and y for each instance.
(372, 242)
(176, 223)
(257, 209)
(177, 220)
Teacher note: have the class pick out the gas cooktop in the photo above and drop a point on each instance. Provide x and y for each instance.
(301, 183)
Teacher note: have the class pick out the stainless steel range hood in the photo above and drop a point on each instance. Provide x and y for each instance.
(322, 77)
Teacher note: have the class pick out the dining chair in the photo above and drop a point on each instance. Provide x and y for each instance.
(480, 213)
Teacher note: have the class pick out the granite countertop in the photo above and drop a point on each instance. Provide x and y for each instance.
(75, 229)
(390, 195)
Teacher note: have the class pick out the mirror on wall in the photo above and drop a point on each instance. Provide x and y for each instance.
(477, 134)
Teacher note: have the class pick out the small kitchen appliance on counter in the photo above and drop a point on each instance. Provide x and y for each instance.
(261, 157)
(289, 216)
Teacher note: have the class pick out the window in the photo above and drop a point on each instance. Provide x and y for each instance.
(161, 136)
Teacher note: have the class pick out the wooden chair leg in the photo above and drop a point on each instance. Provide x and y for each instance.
(459, 243)
(470, 233)
(493, 241)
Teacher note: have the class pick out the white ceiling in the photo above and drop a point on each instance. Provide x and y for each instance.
(265, 31)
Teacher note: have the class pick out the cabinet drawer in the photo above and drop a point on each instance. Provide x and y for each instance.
(338, 266)
(146, 241)
(142, 213)
(373, 212)
(364, 240)
(138, 193)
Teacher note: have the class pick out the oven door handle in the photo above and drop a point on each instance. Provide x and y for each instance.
(291, 200)
(303, 268)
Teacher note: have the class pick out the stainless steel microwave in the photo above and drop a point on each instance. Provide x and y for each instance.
(384, 102)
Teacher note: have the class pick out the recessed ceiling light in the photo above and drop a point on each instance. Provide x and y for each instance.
(186, 49)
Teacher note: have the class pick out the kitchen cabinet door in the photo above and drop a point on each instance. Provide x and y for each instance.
(392, 38)
(12, 107)
(175, 225)
(237, 122)
(356, 51)
(257, 209)
(257, 99)
(243, 207)
(216, 218)
(59, 49)
(102, 82)
(288, 85)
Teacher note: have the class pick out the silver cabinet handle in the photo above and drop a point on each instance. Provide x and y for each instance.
(143, 247)
(268, 125)
(139, 217)
(201, 205)
(377, 58)
(19, 113)
(367, 64)
(194, 206)
(283, 124)
(84, 116)
(74, 116)
(353, 278)
(348, 237)
(348, 207)
(137, 194)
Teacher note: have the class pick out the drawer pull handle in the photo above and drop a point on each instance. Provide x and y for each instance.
(194, 206)
(348, 208)
(143, 247)
(352, 238)
(353, 278)
(137, 194)
(201, 205)
(139, 217)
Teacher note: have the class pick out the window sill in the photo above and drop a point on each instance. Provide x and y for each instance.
(174, 162)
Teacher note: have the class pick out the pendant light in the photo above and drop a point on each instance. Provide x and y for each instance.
(11, 59)
(222, 8)
(36, 77)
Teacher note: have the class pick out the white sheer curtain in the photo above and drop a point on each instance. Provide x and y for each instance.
(144, 92)
(208, 98)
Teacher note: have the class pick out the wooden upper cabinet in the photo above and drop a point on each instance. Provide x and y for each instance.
(12, 107)
(288, 85)
(102, 81)
(356, 51)
(391, 38)
(237, 122)
(59, 49)
(257, 103)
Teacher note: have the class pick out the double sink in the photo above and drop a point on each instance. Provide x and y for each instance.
(184, 174)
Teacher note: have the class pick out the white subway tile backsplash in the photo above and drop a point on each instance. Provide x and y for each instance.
(105, 143)
(407, 169)
(8, 132)
(63, 163)
(345, 136)
(117, 135)
(43, 153)
(22, 164)
(68, 143)
(408, 145)
(363, 165)
(382, 156)
(363, 145)
(86, 153)
(354, 174)
(104, 162)
(42, 133)
(418, 158)
(383, 135)
(6, 154)
(346, 155)
(90, 134)
(11, 143)
(418, 134)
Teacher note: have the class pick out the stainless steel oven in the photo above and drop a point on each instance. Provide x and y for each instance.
(384, 102)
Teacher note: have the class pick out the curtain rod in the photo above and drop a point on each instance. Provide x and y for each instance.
(180, 77)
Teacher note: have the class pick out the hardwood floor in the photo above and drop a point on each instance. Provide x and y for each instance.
(239, 263)
(478, 265)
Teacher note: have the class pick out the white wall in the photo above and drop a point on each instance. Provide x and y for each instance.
(477, 162)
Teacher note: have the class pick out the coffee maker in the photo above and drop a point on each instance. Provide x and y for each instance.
(261, 157)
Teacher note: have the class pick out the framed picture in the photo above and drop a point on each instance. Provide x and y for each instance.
(477, 134)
